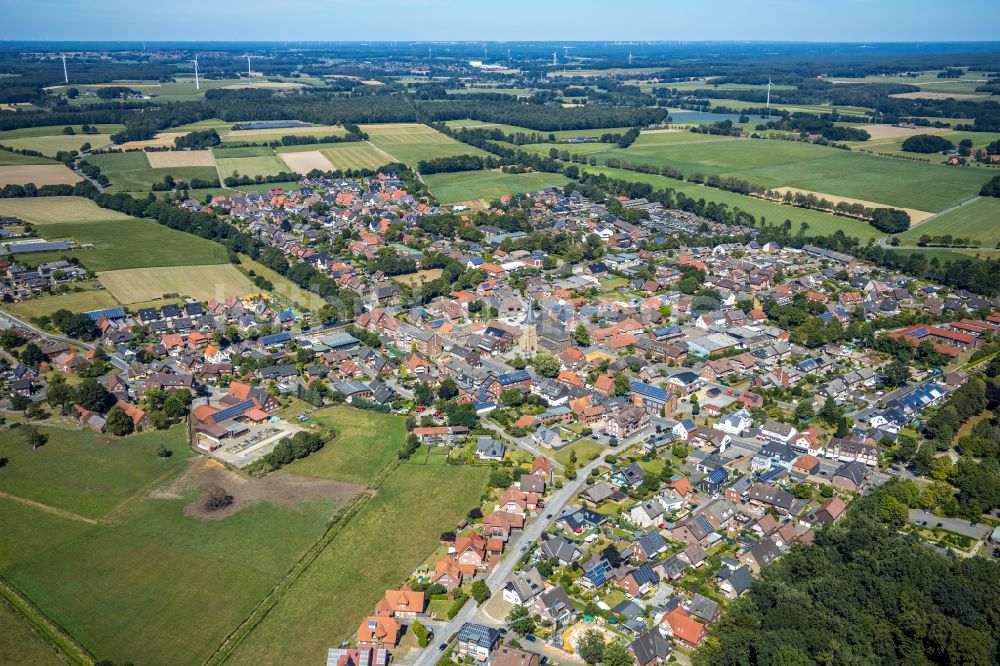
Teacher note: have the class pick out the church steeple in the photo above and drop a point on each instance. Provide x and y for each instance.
(529, 333)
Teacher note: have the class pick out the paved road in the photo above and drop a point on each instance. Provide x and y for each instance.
(956, 525)
(553, 506)
(115, 360)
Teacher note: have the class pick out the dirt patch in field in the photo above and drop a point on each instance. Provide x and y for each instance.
(915, 215)
(894, 132)
(305, 130)
(305, 162)
(181, 158)
(278, 488)
(669, 130)
(39, 174)
(474, 204)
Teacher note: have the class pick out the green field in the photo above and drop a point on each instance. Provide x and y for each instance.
(810, 167)
(20, 645)
(586, 450)
(50, 145)
(979, 220)
(375, 551)
(229, 152)
(74, 301)
(774, 213)
(411, 143)
(488, 185)
(131, 243)
(265, 165)
(52, 474)
(356, 155)
(8, 158)
(147, 583)
(130, 172)
(57, 210)
(365, 442)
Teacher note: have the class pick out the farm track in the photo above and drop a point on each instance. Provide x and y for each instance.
(62, 513)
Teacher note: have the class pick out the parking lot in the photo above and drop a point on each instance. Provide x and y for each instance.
(260, 441)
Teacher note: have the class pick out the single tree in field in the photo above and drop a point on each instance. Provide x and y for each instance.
(33, 437)
(216, 498)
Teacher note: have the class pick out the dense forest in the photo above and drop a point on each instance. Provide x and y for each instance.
(863, 594)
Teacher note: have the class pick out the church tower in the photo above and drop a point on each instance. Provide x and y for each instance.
(529, 333)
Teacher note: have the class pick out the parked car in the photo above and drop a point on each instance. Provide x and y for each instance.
(442, 647)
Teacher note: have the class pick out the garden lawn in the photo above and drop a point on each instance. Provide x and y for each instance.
(392, 533)
(365, 442)
(488, 185)
(586, 450)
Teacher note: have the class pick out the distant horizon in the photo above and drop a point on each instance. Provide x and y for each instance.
(766, 21)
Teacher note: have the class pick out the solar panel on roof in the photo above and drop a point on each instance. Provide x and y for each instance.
(232, 412)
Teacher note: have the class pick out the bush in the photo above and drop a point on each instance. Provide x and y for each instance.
(216, 498)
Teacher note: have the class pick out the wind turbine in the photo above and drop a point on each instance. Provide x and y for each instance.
(65, 73)
(769, 84)
(249, 72)
(197, 83)
(629, 58)
(555, 62)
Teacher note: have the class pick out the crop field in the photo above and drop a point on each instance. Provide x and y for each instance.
(488, 185)
(8, 158)
(180, 158)
(390, 535)
(774, 213)
(365, 442)
(145, 582)
(39, 174)
(894, 144)
(905, 184)
(20, 645)
(230, 152)
(306, 161)
(133, 171)
(979, 220)
(264, 165)
(132, 243)
(357, 155)
(267, 134)
(58, 210)
(50, 145)
(75, 301)
(916, 216)
(410, 142)
(201, 282)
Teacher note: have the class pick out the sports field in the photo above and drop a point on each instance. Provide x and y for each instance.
(131, 243)
(412, 142)
(124, 570)
(200, 282)
(58, 210)
(979, 220)
(391, 534)
(357, 155)
(365, 442)
(74, 301)
(771, 163)
(488, 185)
(39, 174)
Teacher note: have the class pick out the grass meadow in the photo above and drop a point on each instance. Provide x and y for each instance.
(144, 583)
(366, 441)
(20, 645)
(411, 143)
(74, 301)
(979, 220)
(391, 534)
(488, 185)
(131, 243)
(137, 285)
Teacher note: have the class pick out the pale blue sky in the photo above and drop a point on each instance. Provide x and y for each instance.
(333, 20)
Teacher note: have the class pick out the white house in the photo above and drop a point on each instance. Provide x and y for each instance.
(647, 513)
(683, 429)
(775, 431)
(736, 423)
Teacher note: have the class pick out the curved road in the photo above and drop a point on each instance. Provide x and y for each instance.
(115, 360)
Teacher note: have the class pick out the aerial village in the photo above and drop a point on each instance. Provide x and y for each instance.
(659, 423)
